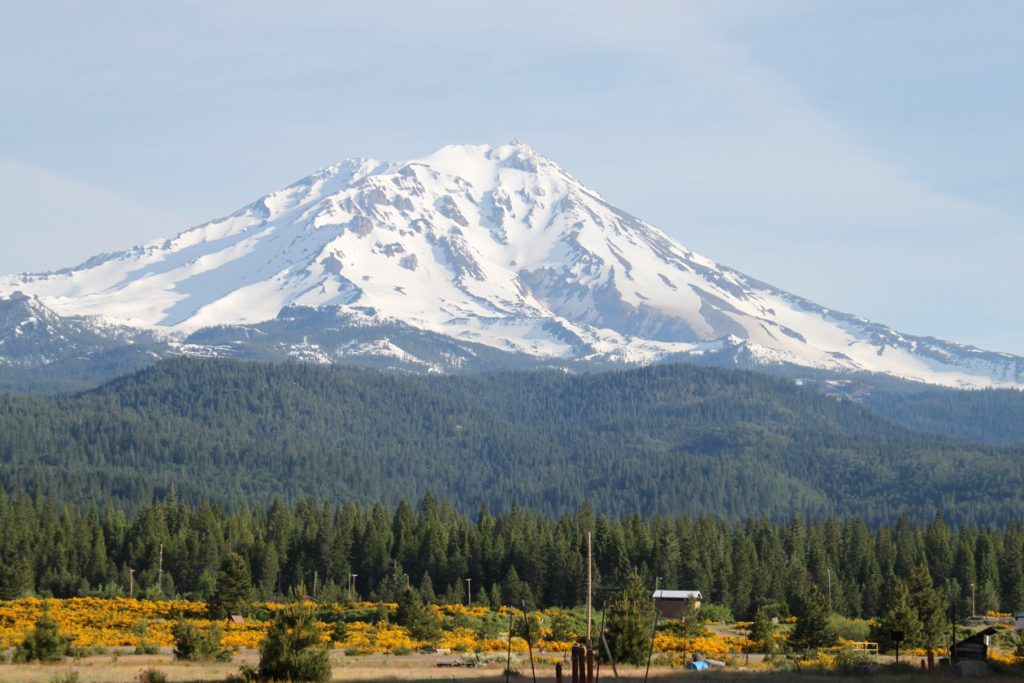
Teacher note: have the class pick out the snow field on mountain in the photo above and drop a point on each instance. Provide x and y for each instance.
(494, 245)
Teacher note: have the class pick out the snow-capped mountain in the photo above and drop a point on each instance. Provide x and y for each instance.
(480, 249)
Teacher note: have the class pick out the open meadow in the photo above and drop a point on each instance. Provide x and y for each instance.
(413, 667)
(118, 640)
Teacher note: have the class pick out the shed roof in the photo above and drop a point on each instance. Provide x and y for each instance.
(979, 636)
(677, 595)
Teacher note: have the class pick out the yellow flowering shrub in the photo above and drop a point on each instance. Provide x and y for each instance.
(1005, 657)
(713, 645)
(118, 622)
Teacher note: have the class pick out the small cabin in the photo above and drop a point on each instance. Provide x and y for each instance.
(676, 604)
(974, 646)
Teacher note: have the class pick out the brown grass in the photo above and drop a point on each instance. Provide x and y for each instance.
(126, 668)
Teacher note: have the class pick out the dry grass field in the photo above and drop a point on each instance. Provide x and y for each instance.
(381, 667)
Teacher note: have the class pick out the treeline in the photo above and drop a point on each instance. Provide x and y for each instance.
(336, 551)
(665, 439)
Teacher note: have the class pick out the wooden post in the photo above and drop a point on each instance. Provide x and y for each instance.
(508, 657)
(590, 586)
(575, 664)
(558, 672)
(590, 665)
(529, 641)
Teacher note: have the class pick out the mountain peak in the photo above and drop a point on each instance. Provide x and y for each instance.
(493, 245)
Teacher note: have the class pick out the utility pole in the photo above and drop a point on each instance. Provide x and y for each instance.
(828, 571)
(131, 582)
(973, 612)
(315, 577)
(590, 585)
(469, 592)
(160, 570)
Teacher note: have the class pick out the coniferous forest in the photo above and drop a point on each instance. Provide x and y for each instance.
(314, 548)
(664, 439)
(749, 488)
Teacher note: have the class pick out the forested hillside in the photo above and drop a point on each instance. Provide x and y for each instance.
(669, 438)
(520, 555)
(993, 416)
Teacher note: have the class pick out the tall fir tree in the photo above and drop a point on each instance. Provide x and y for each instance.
(813, 626)
(630, 621)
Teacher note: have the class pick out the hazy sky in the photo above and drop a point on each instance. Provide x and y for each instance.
(867, 155)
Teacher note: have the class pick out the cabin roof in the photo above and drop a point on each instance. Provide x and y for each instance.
(677, 595)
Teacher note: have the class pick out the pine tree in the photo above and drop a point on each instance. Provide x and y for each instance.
(813, 629)
(393, 585)
(233, 590)
(44, 643)
(762, 630)
(629, 622)
(427, 589)
(293, 649)
(929, 606)
(902, 616)
(421, 620)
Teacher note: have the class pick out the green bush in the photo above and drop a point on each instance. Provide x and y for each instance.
(564, 628)
(857, 630)
(293, 649)
(65, 677)
(848, 659)
(83, 651)
(528, 627)
(152, 676)
(246, 674)
(194, 644)
(44, 643)
(143, 646)
(717, 613)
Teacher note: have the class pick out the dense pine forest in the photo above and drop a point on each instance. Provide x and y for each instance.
(665, 439)
(312, 548)
(993, 416)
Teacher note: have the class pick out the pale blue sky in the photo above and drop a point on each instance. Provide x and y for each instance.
(866, 154)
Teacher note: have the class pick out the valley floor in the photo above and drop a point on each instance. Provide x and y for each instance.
(127, 668)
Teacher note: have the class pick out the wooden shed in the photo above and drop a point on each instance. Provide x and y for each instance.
(676, 604)
(974, 646)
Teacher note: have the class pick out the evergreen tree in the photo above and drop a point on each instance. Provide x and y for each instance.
(630, 620)
(233, 590)
(393, 585)
(813, 628)
(929, 605)
(44, 643)
(902, 616)
(194, 644)
(762, 630)
(427, 589)
(421, 620)
(293, 649)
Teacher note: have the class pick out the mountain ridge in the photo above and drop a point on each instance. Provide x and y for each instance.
(492, 246)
